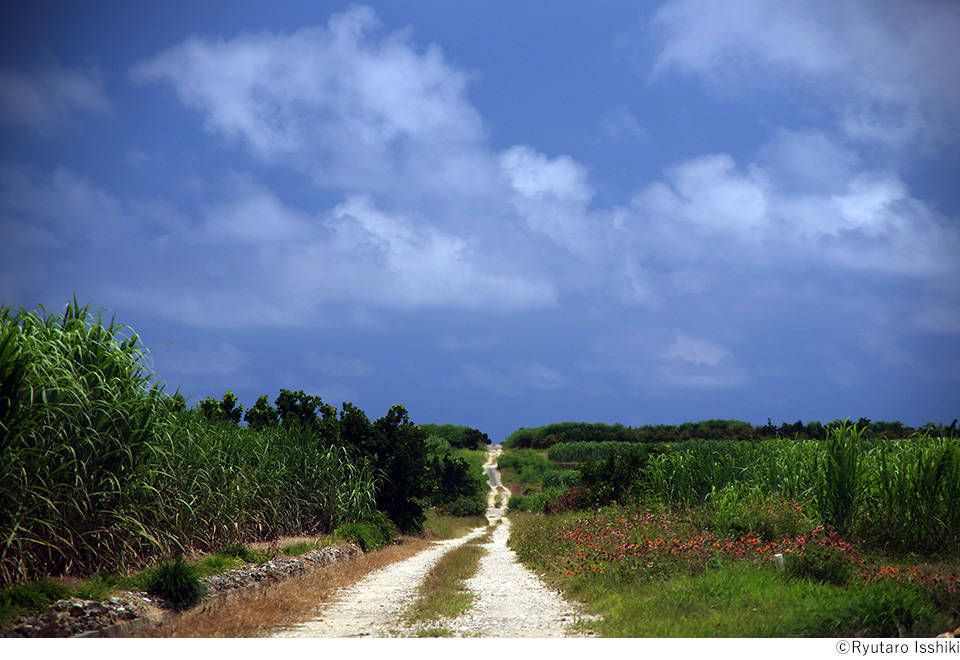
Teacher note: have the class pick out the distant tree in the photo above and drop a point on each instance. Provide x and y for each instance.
(227, 410)
(262, 415)
(297, 409)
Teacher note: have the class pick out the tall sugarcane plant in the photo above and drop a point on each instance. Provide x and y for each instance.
(99, 469)
(81, 423)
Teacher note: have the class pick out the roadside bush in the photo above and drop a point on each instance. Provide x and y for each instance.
(466, 506)
(528, 464)
(237, 550)
(573, 499)
(374, 532)
(825, 558)
(533, 503)
(176, 582)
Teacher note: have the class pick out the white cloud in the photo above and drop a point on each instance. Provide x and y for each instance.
(397, 262)
(552, 196)
(253, 214)
(48, 99)
(710, 195)
(805, 197)
(887, 68)
(74, 204)
(619, 122)
(357, 108)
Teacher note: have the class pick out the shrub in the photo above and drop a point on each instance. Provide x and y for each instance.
(374, 532)
(466, 506)
(824, 559)
(573, 499)
(176, 582)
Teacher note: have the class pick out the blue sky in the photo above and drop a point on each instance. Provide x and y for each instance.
(501, 215)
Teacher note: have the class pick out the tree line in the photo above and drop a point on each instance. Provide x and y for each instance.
(543, 437)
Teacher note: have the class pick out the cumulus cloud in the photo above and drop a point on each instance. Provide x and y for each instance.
(359, 108)
(47, 99)
(805, 196)
(887, 68)
(415, 264)
(551, 195)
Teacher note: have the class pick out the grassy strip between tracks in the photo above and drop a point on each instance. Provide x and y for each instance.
(443, 593)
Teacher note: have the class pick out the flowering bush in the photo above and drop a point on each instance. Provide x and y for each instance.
(824, 557)
(941, 582)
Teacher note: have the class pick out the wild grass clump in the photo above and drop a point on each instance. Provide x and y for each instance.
(239, 551)
(30, 597)
(374, 532)
(177, 582)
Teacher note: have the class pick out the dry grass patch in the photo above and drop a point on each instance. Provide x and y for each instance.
(443, 594)
(294, 600)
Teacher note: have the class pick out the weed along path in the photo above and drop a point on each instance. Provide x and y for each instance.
(509, 600)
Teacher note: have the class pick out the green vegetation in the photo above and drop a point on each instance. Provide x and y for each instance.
(899, 494)
(660, 572)
(176, 582)
(459, 437)
(375, 531)
(458, 483)
(867, 525)
(101, 471)
(525, 466)
(544, 437)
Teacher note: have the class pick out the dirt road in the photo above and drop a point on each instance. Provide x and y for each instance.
(510, 600)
